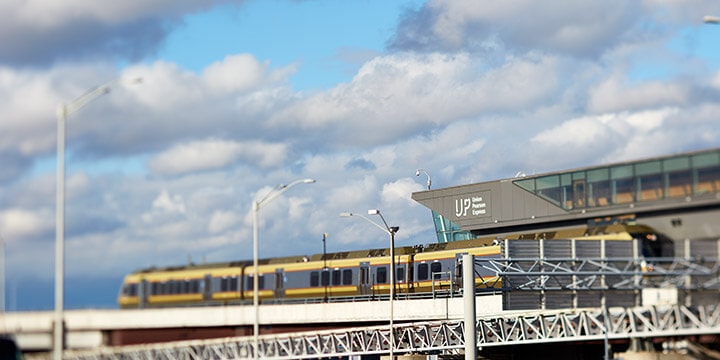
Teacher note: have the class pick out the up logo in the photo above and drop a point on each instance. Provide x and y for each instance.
(473, 205)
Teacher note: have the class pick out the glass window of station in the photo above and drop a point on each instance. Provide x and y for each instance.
(650, 180)
(448, 231)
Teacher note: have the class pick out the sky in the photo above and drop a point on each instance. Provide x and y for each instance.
(238, 97)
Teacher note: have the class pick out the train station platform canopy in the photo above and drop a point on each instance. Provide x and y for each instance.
(652, 185)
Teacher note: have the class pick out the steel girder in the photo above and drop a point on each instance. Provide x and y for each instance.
(603, 273)
(441, 336)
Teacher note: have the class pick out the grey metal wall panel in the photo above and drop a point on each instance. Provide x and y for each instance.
(589, 298)
(556, 249)
(618, 249)
(558, 300)
(522, 300)
(523, 249)
(705, 297)
(620, 298)
(587, 248)
(707, 248)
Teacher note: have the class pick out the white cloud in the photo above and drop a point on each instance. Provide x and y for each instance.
(171, 204)
(17, 224)
(235, 73)
(214, 154)
(222, 220)
(506, 95)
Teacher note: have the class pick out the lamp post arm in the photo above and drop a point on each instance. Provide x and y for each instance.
(709, 19)
(279, 191)
(89, 96)
(86, 98)
(384, 229)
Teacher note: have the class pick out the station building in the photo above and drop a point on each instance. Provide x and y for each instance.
(677, 195)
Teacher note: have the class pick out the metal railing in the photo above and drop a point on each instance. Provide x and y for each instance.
(595, 324)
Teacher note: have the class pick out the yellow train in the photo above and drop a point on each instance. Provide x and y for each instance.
(420, 270)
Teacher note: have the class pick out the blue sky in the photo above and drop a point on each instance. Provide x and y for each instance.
(240, 96)
(329, 40)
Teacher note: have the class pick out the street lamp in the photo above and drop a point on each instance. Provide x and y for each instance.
(709, 19)
(390, 230)
(417, 173)
(255, 208)
(325, 268)
(3, 268)
(63, 111)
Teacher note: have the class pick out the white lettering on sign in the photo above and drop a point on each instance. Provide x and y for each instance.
(473, 205)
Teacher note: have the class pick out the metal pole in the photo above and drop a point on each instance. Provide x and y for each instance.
(62, 113)
(256, 277)
(256, 298)
(3, 278)
(59, 236)
(325, 269)
(392, 291)
(468, 274)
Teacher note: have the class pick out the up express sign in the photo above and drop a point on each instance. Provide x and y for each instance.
(472, 205)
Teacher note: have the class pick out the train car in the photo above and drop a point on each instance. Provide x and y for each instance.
(439, 266)
(340, 276)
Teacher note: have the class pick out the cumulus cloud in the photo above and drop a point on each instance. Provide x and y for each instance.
(467, 92)
(397, 95)
(579, 29)
(63, 30)
(221, 221)
(22, 223)
(170, 204)
(214, 154)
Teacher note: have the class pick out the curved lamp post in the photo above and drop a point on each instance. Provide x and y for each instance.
(709, 19)
(256, 205)
(417, 173)
(63, 111)
(391, 231)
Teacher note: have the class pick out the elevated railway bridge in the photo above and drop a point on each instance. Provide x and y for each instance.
(663, 287)
(677, 300)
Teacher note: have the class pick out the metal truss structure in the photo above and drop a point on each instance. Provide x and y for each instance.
(596, 324)
(507, 328)
(601, 273)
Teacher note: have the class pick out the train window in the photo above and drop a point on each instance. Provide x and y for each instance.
(325, 278)
(224, 284)
(336, 277)
(381, 275)
(400, 272)
(195, 286)
(347, 277)
(422, 271)
(436, 267)
(314, 278)
(234, 283)
(130, 290)
(261, 282)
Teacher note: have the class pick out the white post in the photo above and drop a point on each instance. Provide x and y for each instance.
(392, 292)
(256, 298)
(468, 263)
(256, 277)
(58, 330)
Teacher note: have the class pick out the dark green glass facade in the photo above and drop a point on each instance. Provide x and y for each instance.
(679, 176)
